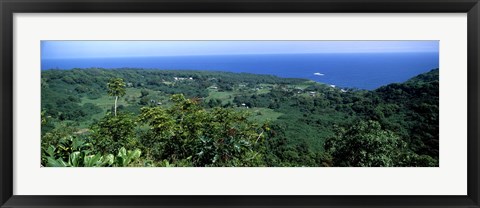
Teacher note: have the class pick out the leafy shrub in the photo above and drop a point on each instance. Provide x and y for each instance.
(190, 135)
(113, 132)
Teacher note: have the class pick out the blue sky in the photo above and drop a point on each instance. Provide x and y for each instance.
(104, 49)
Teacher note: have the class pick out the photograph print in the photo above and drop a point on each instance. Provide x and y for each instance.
(239, 103)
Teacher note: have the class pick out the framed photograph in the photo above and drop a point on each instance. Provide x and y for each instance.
(268, 103)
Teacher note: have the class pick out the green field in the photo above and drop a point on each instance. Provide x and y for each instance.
(106, 102)
(263, 114)
(225, 96)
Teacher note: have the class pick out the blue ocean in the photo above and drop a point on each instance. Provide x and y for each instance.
(356, 70)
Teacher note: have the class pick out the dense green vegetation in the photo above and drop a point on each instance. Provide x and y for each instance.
(136, 117)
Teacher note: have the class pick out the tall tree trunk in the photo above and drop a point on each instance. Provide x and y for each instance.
(116, 98)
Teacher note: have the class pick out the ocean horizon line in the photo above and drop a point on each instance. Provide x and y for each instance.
(240, 54)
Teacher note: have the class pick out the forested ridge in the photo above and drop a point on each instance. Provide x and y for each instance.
(163, 118)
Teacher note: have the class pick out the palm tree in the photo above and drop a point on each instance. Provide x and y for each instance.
(116, 87)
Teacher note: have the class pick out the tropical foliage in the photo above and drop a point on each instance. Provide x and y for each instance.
(217, 119)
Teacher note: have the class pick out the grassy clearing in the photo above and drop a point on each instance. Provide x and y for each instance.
(106, 102)
(305, 84)
(225, 97)
(264, 88)
(263, 91)
(263, 114)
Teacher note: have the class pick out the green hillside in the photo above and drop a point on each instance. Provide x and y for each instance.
(235, 119)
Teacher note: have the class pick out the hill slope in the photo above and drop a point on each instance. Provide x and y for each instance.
(302, 114)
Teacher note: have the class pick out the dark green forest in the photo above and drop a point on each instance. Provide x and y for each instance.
(178, 118)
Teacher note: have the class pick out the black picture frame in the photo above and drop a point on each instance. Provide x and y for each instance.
(9, 7)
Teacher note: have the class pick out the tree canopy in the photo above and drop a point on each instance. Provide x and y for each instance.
(206, 118)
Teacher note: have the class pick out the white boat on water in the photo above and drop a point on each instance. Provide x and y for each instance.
(318, 74)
